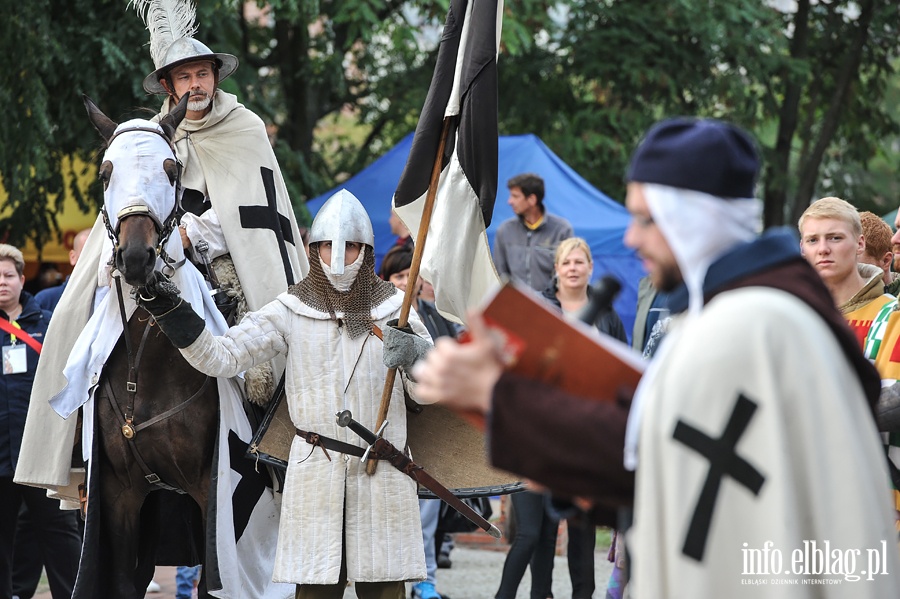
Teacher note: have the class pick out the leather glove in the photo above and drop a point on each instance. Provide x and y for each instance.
(159, 295)
(402, 347)
(177, 319)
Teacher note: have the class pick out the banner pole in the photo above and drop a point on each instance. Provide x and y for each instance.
(409, 296)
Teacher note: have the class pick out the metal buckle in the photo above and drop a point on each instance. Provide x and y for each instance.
(131, 387)
(153, 478)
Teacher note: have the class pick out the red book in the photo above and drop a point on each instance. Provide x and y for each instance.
(541, 344)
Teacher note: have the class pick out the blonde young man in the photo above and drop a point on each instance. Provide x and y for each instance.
(831, 240)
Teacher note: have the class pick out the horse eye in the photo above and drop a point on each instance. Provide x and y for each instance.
(106, 170)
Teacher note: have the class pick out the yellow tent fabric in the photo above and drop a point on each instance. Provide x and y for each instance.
(71, 220)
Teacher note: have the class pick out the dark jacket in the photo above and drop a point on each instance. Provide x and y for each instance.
(15, 389)
(437, 325)
(607, 322)
(526, 256)
(48, 298)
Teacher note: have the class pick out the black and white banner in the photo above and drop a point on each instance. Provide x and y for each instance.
(457, 258)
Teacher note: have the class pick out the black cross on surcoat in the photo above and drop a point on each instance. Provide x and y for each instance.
(251, 487)
(723, 461)
(268, 217)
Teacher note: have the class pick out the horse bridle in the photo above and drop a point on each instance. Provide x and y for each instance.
(163, 228)
(129, 428)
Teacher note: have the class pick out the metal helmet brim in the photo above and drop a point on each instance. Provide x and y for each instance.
(183, 51)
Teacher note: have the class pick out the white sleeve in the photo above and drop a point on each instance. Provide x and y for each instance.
(259, 337)
(205, 227)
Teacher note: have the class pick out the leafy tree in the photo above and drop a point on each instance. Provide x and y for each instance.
(809, 83)
(588, 76)
(831, 110)
(52, 51)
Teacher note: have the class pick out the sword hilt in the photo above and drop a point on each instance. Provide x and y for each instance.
(345, 419)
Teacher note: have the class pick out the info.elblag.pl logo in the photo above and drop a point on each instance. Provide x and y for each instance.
(815, 559)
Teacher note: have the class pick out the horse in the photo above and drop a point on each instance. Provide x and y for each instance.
(155, 416)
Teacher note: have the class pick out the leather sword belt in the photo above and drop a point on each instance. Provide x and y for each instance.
(327, 443)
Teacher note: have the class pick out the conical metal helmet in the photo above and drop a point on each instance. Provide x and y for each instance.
(184, 50)
(341, 219)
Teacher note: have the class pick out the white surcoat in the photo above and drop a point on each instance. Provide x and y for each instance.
(801, 465)
(327, 501)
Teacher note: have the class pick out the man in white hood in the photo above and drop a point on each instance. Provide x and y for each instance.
(751, 437)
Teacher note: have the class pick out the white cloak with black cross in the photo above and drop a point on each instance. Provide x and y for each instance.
(756, 435)
(228, 157)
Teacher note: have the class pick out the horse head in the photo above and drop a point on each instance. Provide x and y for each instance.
(140, 175)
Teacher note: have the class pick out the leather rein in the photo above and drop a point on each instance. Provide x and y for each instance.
(129, 429)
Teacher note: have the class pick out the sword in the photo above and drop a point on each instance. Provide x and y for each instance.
(381, 448)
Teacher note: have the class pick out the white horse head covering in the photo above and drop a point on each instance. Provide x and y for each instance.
(699, 228)
(138, 178)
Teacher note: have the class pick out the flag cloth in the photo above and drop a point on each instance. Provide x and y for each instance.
(457, 256)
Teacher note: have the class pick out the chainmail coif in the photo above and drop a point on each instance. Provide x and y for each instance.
(367, 291)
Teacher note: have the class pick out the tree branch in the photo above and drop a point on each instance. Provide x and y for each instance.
(775, 196)
(848, 74)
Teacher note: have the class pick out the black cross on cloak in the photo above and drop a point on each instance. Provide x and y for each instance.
(723, 461)
(268, 217)
(252, 485)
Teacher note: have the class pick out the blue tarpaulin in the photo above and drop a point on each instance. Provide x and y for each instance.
(594, 216)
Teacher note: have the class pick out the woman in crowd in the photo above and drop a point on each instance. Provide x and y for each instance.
(570, 291)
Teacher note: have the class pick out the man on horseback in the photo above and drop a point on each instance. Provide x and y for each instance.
(338, 523)
(233, 193)
(239, 210)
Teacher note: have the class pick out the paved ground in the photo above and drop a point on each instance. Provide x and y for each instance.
(475, 575)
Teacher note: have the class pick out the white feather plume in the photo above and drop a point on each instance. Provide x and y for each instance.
(167, 21)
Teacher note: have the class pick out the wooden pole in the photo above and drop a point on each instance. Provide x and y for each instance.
(409, 295)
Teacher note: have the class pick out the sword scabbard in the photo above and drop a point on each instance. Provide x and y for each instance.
(383, 449)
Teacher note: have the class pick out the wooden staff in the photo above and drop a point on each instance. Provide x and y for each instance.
(408, 297)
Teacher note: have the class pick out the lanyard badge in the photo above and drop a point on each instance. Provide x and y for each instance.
(15, 358)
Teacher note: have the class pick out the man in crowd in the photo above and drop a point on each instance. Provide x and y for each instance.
(525, 245)
(831, 240)
(736, 448)
(877, 234)
(48, 298)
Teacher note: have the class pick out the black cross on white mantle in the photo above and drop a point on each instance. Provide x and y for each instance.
(723, 461)
(268, 217)
(251, 487)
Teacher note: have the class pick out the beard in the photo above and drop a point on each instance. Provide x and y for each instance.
(667, 278)
(199, 105)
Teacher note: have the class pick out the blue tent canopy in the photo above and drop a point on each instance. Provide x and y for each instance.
(594, 216)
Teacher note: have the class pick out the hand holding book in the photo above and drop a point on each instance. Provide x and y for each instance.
(518, 332)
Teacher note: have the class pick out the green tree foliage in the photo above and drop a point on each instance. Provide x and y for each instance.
(52, 51)
(810, 83)
(588, 76)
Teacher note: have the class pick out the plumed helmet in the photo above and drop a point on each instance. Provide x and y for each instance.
(183, 51)
(341, 219)
(172, 25)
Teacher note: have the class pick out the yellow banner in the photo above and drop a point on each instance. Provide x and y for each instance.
(71, 220)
